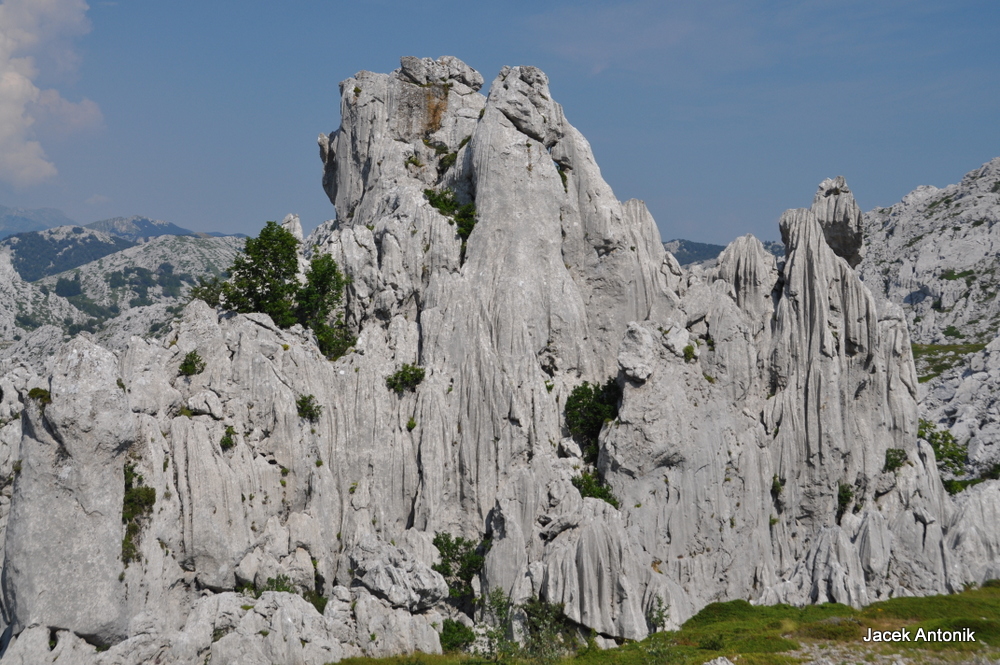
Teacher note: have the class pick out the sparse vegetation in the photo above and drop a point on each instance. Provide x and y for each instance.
(845, 494)
(40, 395)
(461, 561)
(588, 407)
(463, 215)
(689, 354)
(308, 408)
(456, 636)
(590, 485)
(227, 441)
(934, 359)
(209, 290)
(895, 458)
(136, 506)
(191, 365)
(408, 377)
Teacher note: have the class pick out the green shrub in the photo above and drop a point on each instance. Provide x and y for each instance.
(590, 485)
(407, 378)
(588, 407)
(894, 459)
(951, 456)
(411, 424)
(191, 365)
(689, 356)
(845, 494)
(548, 633)
(456, 636)
(279, 583)
(461, 561)
(777, 485)
(227, 440)
(447, 162)
(308, 408)
(950, 274)
(464, 215)
(317, 599)
(42, 395)
(137, 504)
(265, 279)
(952, 331)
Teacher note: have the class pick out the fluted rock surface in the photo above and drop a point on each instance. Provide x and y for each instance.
(755, 391)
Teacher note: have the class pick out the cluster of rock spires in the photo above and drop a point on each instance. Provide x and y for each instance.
(759, 400)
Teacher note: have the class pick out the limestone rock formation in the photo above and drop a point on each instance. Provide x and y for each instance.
(747, 459)
(934, 254)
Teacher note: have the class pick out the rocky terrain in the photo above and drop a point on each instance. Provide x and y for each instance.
(138, 290)
(265, 504)
(936, 254)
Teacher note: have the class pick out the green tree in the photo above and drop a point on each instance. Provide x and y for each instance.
(316, 302)
(264, 276)
(265, 279)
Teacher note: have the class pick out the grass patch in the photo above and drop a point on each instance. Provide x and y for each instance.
(766, 635)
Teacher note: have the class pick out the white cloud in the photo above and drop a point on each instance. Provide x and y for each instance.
(26, 28)
(97, 199)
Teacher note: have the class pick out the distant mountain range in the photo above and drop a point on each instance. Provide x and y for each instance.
(136, 227)
(688, 251)
(46, 242)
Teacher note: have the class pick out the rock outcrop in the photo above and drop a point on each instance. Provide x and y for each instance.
(748, 454)
(934, 254)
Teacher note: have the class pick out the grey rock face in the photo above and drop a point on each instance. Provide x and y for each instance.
(839, 215)
(69, 491)
(392, 574)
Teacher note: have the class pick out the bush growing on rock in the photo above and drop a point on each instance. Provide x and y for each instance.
(951, 456)
(191, 365)
(227, 440)
(588, 407)
(463, 215)
(308, 408)
(845, 494)
(548, 633)
(894, 459)
(456, 636)
(137, 504)
(42, 395)
(461, 561)
(407, 378)
(209, 290)
(590, 485)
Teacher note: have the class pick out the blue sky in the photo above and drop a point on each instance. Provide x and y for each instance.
(719, 115)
